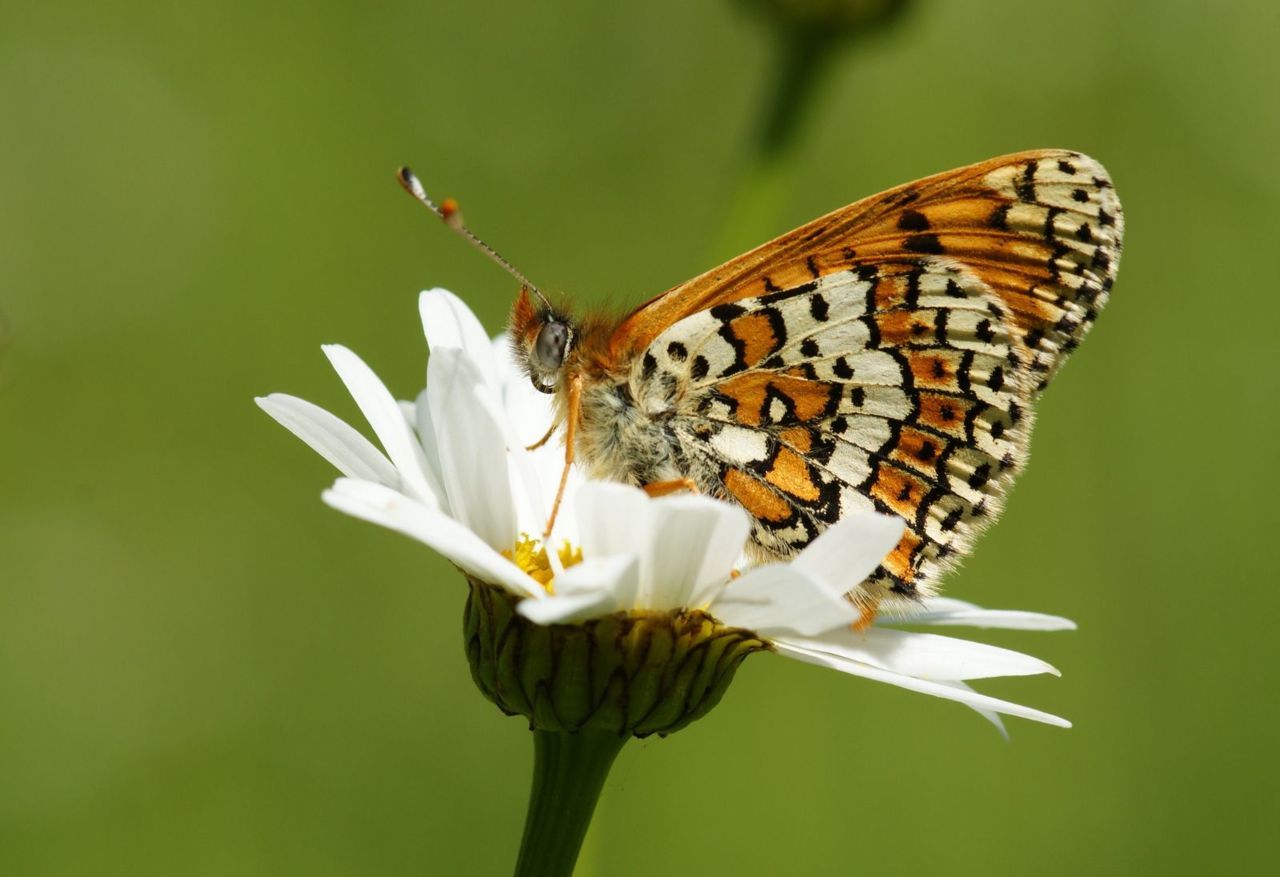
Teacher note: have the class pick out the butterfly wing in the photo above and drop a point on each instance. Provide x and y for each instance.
(885, 356)
(1042, 229)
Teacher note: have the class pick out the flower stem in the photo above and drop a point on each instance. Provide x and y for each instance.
(569, 770)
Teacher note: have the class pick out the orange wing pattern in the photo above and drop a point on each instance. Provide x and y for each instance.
(885, 356)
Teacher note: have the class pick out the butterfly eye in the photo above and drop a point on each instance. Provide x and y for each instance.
(549, 349)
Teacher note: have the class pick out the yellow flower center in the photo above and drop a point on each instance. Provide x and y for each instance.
(530, 555)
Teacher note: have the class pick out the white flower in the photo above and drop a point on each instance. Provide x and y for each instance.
(456, 477)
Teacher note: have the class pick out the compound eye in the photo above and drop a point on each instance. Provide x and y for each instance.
(549, 349)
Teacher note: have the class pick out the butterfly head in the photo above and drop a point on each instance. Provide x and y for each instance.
(543, 339)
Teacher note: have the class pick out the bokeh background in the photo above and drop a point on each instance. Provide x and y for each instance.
(205, 671)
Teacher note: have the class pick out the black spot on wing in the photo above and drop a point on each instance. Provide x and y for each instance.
(913, 220)
(924, 243)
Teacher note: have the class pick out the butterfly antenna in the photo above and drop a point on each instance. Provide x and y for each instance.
(448, 211)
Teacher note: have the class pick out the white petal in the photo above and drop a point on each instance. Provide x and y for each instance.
(564, 610)
(588, 590)
(344, 447)
(450, 325)
(937, 689)
(384, 415)
(473, 453)
(779, 600)
(614, 575)
(850, 551)
(430, 450)
(386, 507)
(925, 655)
(692, 545)
(613, 519)
(686, 545)
(949, 611)
(993, 718)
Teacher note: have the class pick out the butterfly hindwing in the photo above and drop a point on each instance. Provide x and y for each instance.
(893, 388)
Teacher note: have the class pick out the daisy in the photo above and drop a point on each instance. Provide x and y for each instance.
(453, 474)
(635, 620)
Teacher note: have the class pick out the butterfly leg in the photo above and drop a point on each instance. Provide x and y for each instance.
(542, 441)
(662, 488)
(571, 433)
(866, 619)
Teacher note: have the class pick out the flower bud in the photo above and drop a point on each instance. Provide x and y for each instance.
(630, 673)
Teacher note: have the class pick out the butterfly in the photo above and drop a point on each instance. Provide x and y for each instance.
(885, 357)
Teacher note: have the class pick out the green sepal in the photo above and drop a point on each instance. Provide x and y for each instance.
(629, 673)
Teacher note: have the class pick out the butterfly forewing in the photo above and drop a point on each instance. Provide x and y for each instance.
(1042, 229)
(884, 356)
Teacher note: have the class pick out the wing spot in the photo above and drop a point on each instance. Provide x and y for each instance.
(980, 476)
(699, 368)
(949, 522)
(1025, 185)
(727, 312)
(924, 243)
(650, 365)
(677, 351)
(913, 220)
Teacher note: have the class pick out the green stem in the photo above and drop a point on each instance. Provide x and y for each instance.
(803, 56)
(569, 770)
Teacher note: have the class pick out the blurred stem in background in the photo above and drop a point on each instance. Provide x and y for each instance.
(808, 37)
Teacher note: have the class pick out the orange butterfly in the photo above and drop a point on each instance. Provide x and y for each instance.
(886, 356)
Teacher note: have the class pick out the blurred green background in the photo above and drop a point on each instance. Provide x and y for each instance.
(203, 670)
